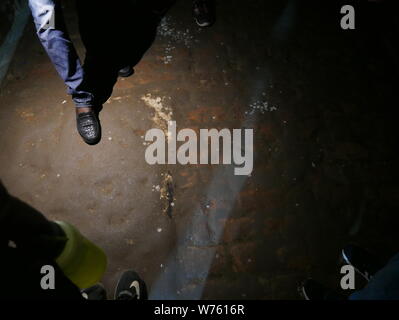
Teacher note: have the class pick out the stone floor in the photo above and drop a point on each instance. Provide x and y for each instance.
(320, 101)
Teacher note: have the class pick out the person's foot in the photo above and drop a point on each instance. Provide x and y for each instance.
(96, 292)
(130, 287)
(312, 290)
(362, 260)
(202, 13)
(88, 125)
(126, 72)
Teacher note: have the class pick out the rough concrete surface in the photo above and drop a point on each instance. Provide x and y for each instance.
(322, 105)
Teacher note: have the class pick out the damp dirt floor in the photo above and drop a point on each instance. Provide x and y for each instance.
(322, 103)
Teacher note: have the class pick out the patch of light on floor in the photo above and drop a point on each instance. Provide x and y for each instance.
(185, 273)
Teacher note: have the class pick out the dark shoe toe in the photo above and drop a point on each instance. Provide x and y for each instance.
(88, 127)
(131, 287)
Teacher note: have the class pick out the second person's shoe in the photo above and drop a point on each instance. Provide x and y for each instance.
(126, 72)
(130, 287)
(203, 13)
(362, 260)
(313, 290)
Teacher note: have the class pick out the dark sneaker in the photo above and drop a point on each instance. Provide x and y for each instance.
(362, 260)
(130, 287)
(96, 292)
(202, 12)
(88, 127)
(126, 72)
(312, 290)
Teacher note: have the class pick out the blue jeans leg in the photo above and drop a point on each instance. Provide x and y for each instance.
(60, 49)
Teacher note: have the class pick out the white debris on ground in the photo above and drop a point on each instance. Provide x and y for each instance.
(163, 114)
(156, 188)
(174, 35)
(167, 194)
(262, 106)
(168, 29)
(12, 244)
(168, 50)
(167, 59)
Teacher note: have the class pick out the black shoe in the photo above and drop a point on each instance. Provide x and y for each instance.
(96, 292)
(363, 261)
(312, 290)
(126, 72)
(89, 127)
(130, 287)
(202, 12)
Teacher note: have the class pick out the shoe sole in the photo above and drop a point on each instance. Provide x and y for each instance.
(92, 143)
(204, 24)
(126, 75)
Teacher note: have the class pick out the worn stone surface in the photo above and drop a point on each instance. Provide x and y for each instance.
(322, 103)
